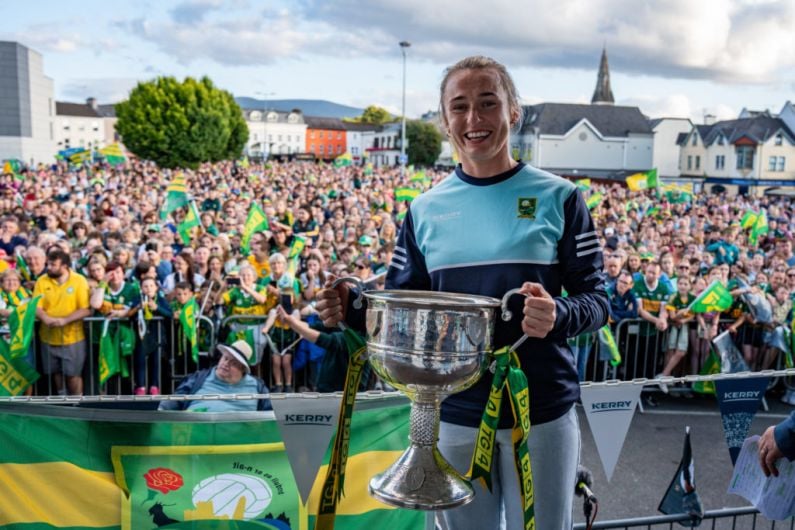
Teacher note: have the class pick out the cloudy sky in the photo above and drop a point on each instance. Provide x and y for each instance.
(669, 57)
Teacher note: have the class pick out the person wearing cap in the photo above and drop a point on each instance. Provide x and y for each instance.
(231, 375)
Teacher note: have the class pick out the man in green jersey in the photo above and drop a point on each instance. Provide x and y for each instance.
(653, 294)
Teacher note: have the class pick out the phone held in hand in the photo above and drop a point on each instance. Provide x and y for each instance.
(286, 301)
(233, 280)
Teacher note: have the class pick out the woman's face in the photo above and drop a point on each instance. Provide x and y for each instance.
(216, 265)
(478, 117)
(96, 271)
(10, 283)
(180, 264)
(247, 276)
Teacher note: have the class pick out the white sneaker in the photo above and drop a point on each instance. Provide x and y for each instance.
(663, 386)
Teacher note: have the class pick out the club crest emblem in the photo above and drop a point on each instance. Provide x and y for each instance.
(526, 208)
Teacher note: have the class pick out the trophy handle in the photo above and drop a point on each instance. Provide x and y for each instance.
(357, 304)
(507, 314)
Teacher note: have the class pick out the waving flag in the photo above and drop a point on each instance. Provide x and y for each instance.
(255, 222)
(176, 195)
(643, 181)
(21, 322)
(191, 221)
(343, 160)
(681, 496)
(716, 297)
(187, 317)
(406, 194)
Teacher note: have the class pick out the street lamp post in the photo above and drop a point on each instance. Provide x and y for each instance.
(403, 46)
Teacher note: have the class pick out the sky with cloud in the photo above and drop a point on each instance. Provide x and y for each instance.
(669, 57)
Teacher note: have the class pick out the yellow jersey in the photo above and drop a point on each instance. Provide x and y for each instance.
(263, 269)
(61, 300)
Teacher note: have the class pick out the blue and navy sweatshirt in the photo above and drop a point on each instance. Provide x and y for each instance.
(486, 236)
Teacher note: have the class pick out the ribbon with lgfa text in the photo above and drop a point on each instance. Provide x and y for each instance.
(508, 373)
(335, 473)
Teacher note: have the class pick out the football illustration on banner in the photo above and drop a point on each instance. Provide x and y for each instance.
(233, 495)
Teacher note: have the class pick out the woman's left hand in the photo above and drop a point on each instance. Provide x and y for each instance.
(540, 310)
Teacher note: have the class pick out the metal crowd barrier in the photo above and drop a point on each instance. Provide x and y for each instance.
(723, 519)
(643, 350)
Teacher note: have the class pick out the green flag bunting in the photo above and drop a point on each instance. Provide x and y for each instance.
(406, 194)
(188, 316)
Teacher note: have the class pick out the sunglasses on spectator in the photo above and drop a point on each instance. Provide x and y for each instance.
(361, 267)
(791, 274)
(684, 266)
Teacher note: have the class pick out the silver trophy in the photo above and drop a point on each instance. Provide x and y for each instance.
(428, 345)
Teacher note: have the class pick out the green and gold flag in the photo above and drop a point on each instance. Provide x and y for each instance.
(594, 200)
(134, 470)
(296, 247)
(748, 220)
(759, 228)
(109, 355)
(22, 268)
(716, 297)
(176, 195)
(711, 366)
(343, 160)
(80, 157)
(406, 194)
(15, 376)
(191, 221)
(188, 316)
(255, 222)
(583, 184)
(21, 324)
(113, 154)
(419, 176)
(643, 181)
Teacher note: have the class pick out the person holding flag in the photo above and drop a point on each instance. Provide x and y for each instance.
(12, 296)
(492, 225)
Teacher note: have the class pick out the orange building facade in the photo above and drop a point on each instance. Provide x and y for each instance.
(325, 137)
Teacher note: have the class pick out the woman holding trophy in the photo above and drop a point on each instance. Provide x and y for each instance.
(493, 225)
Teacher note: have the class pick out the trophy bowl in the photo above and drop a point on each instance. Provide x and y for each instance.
(428, 345)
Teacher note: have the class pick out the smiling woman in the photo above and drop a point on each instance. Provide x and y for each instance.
(493, 225)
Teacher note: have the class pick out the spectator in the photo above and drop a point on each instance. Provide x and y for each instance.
(61, 310)
(146, 362)
(232, 375)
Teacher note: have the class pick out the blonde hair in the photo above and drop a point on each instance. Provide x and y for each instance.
(479, 62)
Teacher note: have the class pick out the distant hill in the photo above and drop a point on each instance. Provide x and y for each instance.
(310, 107)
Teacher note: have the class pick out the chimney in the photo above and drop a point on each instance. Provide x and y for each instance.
(709, 119)
(92, 102)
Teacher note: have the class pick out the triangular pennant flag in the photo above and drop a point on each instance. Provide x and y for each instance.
(307, 426)
(681, 495)
(739, 400)
(609, 410)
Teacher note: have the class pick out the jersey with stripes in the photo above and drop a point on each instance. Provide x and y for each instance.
(486, 236)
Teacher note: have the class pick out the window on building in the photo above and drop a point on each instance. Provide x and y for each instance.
(689, 161)
(255, 137)
(320, 148)
(745, 157)
(311, 134)
(320, 135)
(695, 139)
(354, 151)
(95, 126)
(375, 143)
(311, 148)
(330, 149)
(776, 163)
(779, 139)
(339, 135)
(698, 162)
(720, 162)
(339, 149)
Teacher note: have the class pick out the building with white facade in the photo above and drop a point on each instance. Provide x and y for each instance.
(748, 154)
(359, 138)
(667, 132)
(79, 125)
(273, 132)
(597, 140)
(386, 145)
(27, 106)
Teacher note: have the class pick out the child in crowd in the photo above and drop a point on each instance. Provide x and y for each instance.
(11, 297)
(680, 317)
(152, 337)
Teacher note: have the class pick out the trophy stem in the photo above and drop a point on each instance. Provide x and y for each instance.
(422, 479)
(424, 423)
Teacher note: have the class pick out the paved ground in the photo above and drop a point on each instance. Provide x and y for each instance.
(652, 452)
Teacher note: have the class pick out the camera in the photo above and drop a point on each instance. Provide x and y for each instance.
(233, 280)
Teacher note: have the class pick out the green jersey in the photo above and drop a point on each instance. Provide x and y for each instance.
(127, 297)
(242, 303)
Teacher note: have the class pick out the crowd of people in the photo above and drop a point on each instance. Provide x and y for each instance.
(92, 240)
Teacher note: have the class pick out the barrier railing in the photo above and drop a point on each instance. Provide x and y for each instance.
(643, 351)
(723, 519)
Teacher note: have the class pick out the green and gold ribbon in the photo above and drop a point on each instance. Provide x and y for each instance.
(335, 473)
(508, 372)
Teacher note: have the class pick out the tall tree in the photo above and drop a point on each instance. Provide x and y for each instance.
(182, 124)
(424, 143)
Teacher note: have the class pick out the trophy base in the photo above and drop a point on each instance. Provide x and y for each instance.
(421, 479)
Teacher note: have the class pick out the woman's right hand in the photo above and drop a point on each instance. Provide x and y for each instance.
(331, 303)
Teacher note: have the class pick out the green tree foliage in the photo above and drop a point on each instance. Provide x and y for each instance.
(424, 143)
(373, 115)
(182, 124)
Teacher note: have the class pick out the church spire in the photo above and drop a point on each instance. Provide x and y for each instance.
(603, 94)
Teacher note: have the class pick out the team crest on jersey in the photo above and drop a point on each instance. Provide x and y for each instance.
(526, 208)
